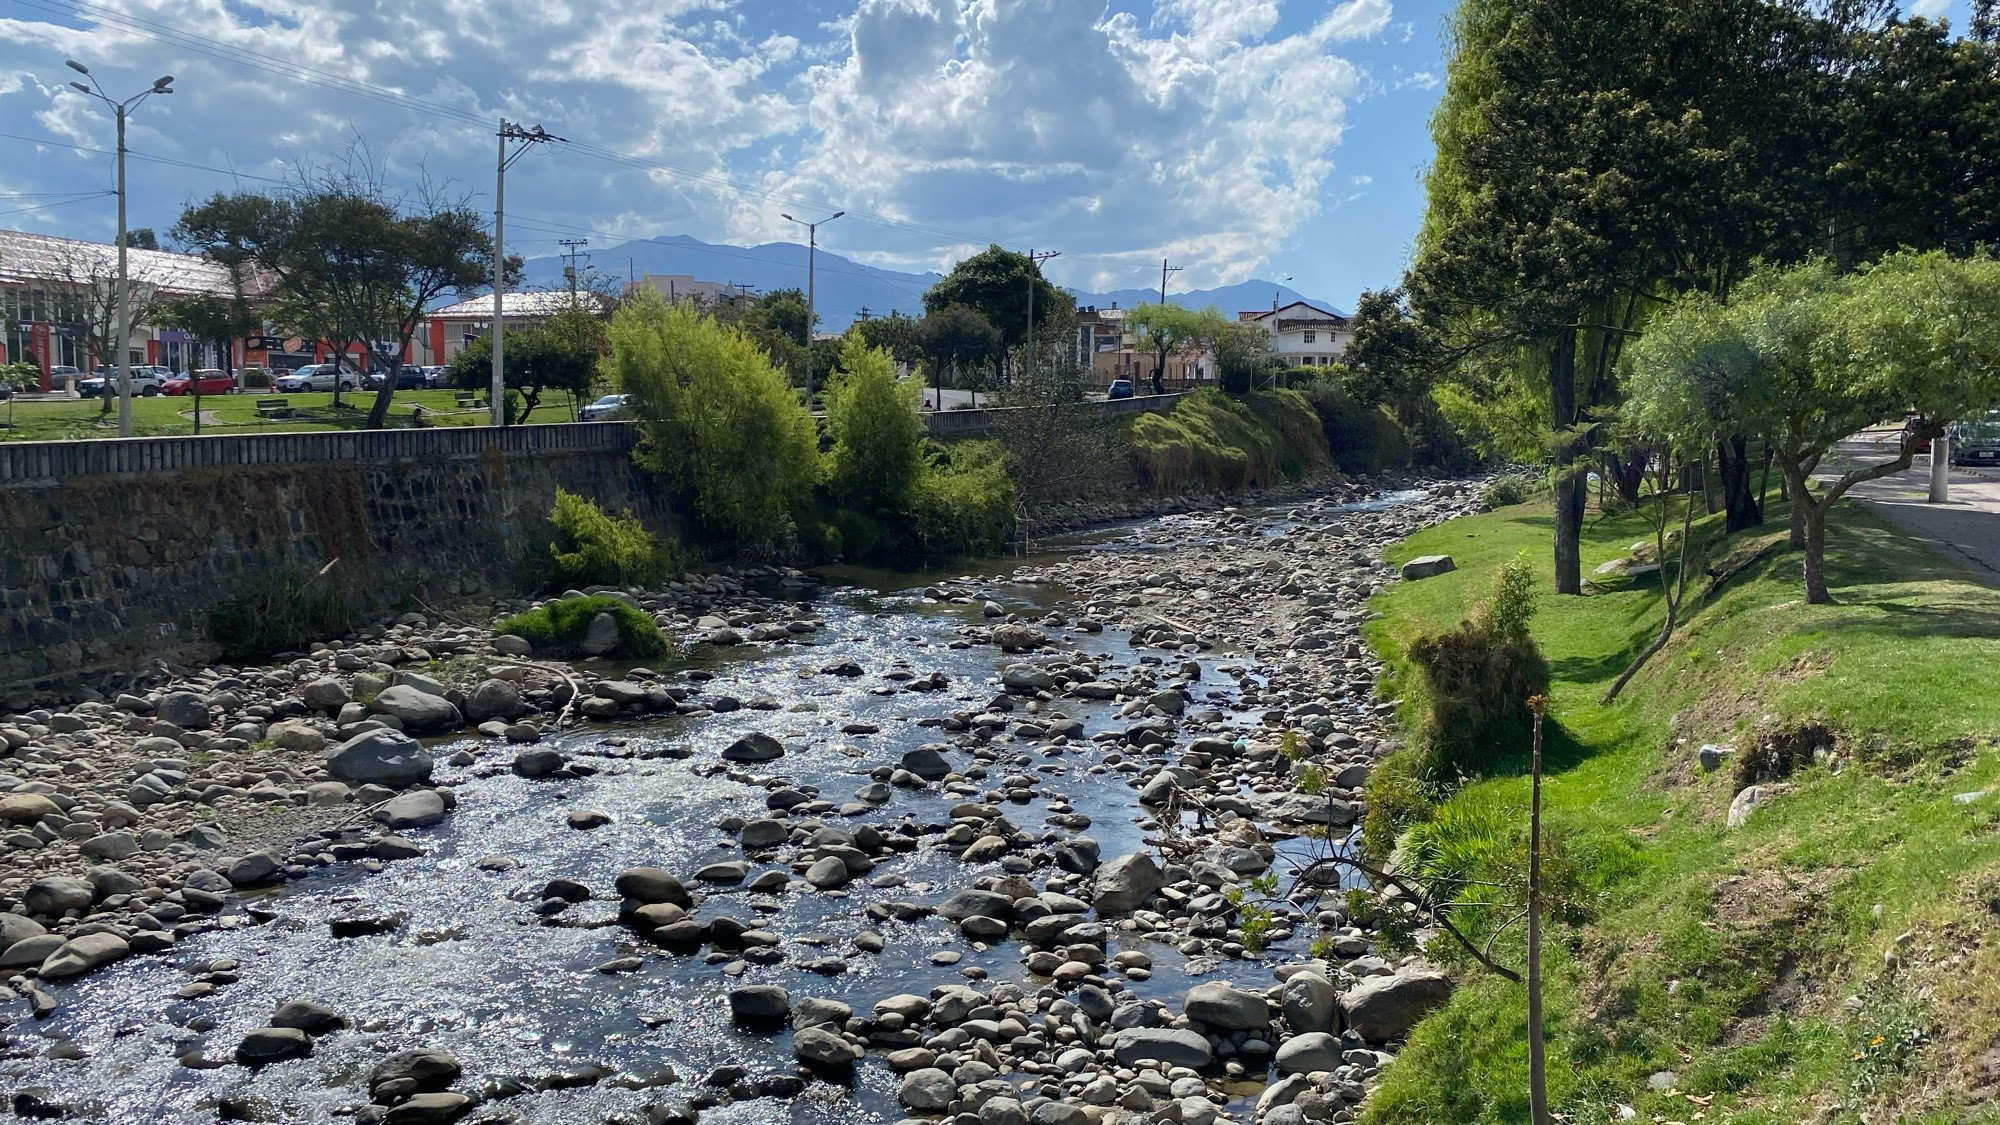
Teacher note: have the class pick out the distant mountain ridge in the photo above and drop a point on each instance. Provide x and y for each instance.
(846, 287)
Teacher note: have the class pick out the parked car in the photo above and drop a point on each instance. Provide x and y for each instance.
(317, 377)
(1120, 388)
(434, 376)
(64, 378)
(145, 381)
(1977, 442)
(407, 379)
(604, 409)
(207, 381)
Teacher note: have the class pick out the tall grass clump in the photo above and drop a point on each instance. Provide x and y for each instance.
(280, 610)
(1474, 682)
(558, 627)
(1213, 441)
(594, 548)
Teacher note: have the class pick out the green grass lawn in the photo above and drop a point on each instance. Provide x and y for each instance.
(161, 416)
(1729, 956)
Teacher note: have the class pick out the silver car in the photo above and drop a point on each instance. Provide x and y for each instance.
(606, 409)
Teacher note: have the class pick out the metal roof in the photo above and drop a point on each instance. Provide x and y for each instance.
(26, 258)
(546, 302)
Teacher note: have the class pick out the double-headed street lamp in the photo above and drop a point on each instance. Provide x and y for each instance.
(812, 249)
(164, 85)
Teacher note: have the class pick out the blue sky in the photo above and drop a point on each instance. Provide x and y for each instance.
(1273, 138)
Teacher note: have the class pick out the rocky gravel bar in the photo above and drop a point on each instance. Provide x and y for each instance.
(1185, 702)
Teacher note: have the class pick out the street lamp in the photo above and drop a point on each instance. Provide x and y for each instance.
(120, 110)
(812, 248)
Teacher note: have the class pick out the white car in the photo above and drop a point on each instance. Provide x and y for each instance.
(317, 377)
(145, 381)
(606, 409)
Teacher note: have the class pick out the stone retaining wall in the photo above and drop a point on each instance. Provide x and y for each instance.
(114, 552)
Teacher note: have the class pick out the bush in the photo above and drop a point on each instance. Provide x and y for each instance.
(558, 627)
(594, 548)
(963, 504)
(1362, 438)
(715, 418)
(1474, 682)
(1509, 489)
(877, 433)
(1397, 798)
(278, 611)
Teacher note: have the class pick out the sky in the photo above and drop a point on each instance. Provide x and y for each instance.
(1236, 138)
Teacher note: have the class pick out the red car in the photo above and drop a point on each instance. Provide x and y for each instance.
(213, 382)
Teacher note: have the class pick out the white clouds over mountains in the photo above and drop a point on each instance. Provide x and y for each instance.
(1203, 129)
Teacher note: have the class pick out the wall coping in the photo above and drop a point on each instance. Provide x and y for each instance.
(30, 463)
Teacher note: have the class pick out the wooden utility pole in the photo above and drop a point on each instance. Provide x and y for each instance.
(1538, 1063)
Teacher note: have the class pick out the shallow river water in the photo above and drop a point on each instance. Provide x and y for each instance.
(475, 971)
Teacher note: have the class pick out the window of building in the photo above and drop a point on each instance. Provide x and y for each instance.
(1311, 336)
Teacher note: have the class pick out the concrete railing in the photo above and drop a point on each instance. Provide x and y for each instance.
(28, 463)
(972, 423)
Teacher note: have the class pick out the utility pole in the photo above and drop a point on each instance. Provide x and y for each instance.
(1034, 271)
(812, 249)
(1164, 271)
(572, 247)
(528, 138)
(864, 314)
(121, 348)
(1538, 1072)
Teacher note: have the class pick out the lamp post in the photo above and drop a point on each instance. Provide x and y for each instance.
(812, 249)
(120, 110)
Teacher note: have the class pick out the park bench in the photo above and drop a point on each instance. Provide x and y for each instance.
(274, 408)
(467, 399)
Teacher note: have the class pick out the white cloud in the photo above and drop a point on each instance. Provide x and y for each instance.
(1930, 9)
(1207, 134)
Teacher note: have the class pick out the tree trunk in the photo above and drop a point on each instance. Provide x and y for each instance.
(1744, 507)
(1815, 536)
(378, 414)
(1572, 486)
(1798, 539)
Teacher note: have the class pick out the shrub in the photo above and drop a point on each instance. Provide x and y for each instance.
(1362, 438)
(963, 504)
(877, 434)
(558, 627)
(279, 610)
(715, 418)
(1474, 681)
(1509, 489)
(1397, 798)
(594, 548)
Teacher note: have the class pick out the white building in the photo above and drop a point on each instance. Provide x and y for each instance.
(1302, 334)
(684, 286)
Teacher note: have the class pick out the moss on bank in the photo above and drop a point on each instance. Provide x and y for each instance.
(559, 627)
(1214, 441)
(1748, 962)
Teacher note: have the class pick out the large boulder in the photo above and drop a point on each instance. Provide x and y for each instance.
(1125, 882)
(1309, 1053)
(819, 1047)
(417, 710)
(78, 956)
(1018, 638)
(494, 699)
(1172, 1046)
(1310, 1002)
(326, 694)
(18, 927)
(56, 894)
(1219, 1004)
(266, 1045)
(927, 762)
(184, 709)
(1428, 566)
(927, 1090)
(384, 756)
(432, 1071)
(601, 637)
(760, 1005)
(1383, 1008)
(419, 809)
(648, 885)
(754, 747)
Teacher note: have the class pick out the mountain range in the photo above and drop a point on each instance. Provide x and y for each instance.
(845, 287)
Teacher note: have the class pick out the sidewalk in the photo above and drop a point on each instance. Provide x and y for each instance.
(1965, 529)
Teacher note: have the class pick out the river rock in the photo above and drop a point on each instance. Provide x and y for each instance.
(761, 1005)
(1125, 882)
(1428, 566)
(926, 762)
(1219, 1004)
(538, 762)
(18, 927)
(326, 694)
(25, 808)
(601, 637)
(814, 1012)
(1026, 677)
(257, 867)
(266, 1045)
(384, 757)
(430, 1071)
(816, 1046)
(296, 736)
(438, 1108)
(828, 873)
(305, 1015)
(1384, 1008)
(1310, 1002)
(647, 885)
(1172, 1046)
(754, 747)
(57, 894)
(494, 699)
(79, 955)
(419, 711)
(419, 809)
(975, 903)
(184, 709)
(928, 1090)
(1309, 1053)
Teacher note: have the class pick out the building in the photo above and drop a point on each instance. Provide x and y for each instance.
(1103, 345)
(57, 297)
(1303, 334)
(447, 331)
(684, 286)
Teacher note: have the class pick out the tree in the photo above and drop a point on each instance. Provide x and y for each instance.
(898, 334)
(1239, 346)
(957, 339)
(1169, 330)
(1057, 447)
(997, 283)
(737, 448)
(209, 320)
(142, 238)
(368, 265)
(878, 436)
(556, 354)
(83, 297)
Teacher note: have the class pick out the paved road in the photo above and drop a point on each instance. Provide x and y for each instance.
(1965, 529)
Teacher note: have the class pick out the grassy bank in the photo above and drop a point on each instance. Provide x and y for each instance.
(1215, 441)
(164, 416)
(1750, 962)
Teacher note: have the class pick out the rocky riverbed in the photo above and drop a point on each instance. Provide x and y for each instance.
(1042, 845)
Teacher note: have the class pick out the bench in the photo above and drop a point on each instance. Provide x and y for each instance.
(274, 408)
(466, 399)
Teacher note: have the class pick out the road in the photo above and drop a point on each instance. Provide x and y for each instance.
(1965, 529)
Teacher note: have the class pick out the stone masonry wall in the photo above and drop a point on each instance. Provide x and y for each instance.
(112, 556)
